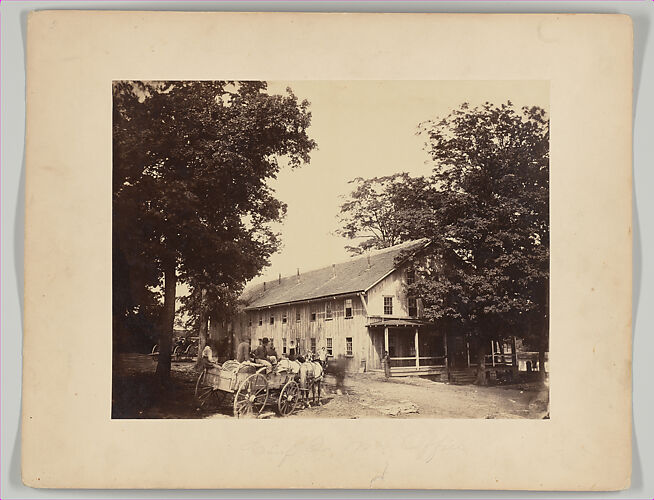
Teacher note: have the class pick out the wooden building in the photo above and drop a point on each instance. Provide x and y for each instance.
(358, 309)
(355, 309)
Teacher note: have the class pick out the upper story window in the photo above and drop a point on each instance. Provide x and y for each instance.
(388, 306)
(249, 320)
(272, 319)
(297, 315)
(313, 345)
(284, 318)
(328, 310)
(413, 306)
(348, 308)
(260, 319)
(313, 316)
(410, 276)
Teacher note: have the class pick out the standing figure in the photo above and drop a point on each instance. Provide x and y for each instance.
(207, 357)
(386, 363)
(322, 356)
(243, 351)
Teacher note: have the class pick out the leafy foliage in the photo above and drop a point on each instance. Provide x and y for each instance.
(190, 195)
(380, 211)
(491, 237)
(485, 210)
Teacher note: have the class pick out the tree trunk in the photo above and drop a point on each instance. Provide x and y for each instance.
(168, 323)
(203, 329)
(481, 362)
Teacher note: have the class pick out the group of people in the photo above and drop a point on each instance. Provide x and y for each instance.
(266, 354)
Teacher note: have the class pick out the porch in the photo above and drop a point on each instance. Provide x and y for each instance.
(413, 346)
(417, 348)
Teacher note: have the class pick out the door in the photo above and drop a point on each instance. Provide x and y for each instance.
(458, 355)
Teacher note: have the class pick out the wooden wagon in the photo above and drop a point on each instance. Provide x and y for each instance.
(251, 387)
(186, 352)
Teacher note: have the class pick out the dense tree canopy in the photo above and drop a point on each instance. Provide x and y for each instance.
(380, 211)
(191, 161)
(485, 210)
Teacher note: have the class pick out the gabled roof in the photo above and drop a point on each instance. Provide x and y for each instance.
(351, 276)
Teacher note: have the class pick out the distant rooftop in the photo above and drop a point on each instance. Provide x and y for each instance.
(355, 275)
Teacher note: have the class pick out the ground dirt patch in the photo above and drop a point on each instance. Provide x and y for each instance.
(136, 395)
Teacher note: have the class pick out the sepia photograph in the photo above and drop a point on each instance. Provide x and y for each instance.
(392, 249)
(330, 249)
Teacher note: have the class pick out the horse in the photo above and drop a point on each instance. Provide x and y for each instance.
(311, 376)
(286, 364)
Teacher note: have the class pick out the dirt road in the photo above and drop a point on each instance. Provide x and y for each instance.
(363, 396)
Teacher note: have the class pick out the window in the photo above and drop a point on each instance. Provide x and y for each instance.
(328, 310)
(388, 306)
(313, 345)
(272, 320)
(329, 347)
(260, 319)
(313, 316)
(410, 277)
(348, 346)
(284, 317)
(413, 306)
(249, 320)
(297, 315)
(284, 345)
(297, 346)
(348, 308)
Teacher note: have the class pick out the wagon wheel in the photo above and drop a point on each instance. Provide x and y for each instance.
(205, 394)
(192, 351)
(251, 396)
(288, 398)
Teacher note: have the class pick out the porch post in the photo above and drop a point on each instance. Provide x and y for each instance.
(493, 351)
(468, 352)
(445, 349)
(417, 342)
(514, 357)
(386, 340)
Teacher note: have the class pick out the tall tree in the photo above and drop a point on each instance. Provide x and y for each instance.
(380, 211)
(190, 193)
(489, 223)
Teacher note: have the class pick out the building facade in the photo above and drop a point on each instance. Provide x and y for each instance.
(356, 309)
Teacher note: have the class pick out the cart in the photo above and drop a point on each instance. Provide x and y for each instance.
(186, 352)
(250, 386)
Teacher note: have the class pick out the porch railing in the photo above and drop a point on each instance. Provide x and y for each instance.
(499, 359)
(423, 362)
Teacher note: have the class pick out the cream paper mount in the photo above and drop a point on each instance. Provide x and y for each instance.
(69, 439)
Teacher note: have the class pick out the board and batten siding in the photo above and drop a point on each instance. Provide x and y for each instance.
(391, 286)
(367, 343)
(338, 328)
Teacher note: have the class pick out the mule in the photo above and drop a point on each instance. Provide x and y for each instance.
(311, 376)
(289, 366)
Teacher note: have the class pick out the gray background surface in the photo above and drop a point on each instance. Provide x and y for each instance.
(14, 16)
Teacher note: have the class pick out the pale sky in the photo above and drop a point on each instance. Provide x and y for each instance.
(365, 129)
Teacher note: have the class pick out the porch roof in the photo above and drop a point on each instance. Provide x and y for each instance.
(394, 322)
